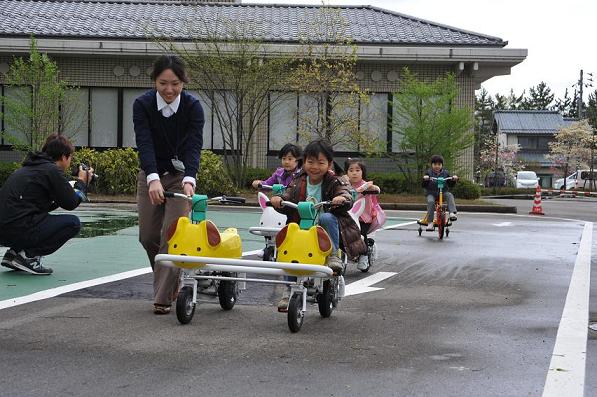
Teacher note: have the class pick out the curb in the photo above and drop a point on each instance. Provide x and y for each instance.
(502, 209)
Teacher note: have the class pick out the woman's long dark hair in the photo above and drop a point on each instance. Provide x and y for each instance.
(171, 62)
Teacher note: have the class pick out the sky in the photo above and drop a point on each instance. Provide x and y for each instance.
(556, 33)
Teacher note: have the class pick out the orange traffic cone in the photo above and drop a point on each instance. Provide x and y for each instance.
(537, 210)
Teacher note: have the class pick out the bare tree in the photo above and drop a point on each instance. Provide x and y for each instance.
(572, 146)
(325, 77)
(231, 71)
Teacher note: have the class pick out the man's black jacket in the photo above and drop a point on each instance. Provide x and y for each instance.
(32, 191)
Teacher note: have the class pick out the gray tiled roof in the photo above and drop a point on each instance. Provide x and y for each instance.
(529, 121)
(271, 23)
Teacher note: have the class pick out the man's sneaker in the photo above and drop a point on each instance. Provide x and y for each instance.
(335, 263)
(30, 265)
(8, 259)
(430, 227)
(363, 263)
(453, 216)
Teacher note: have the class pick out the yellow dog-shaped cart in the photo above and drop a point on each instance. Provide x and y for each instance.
(209, 257)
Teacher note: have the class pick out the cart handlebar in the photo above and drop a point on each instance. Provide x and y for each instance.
(221, 199)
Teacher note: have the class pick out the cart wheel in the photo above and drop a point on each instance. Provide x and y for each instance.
(268, 253)
(344, 260)
(447, 232)
(325, 300)
(295, 313)
(185, 308)
(227, 293)
(420, 231)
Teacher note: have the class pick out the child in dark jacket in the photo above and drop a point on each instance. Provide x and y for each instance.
(317, 182)
(432, 191)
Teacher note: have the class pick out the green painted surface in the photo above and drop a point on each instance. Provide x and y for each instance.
(108, 244)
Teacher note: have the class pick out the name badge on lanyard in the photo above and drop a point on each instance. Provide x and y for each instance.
(178, 165)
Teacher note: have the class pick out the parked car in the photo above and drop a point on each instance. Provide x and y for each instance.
(575, 179)
(526, 180)
(492, 181)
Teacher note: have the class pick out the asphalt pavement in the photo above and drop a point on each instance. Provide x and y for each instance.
(475, 314)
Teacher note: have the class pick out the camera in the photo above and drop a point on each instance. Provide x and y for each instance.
(85, 167)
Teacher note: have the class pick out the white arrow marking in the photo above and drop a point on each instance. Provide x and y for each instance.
(503, 224)
(363, 285)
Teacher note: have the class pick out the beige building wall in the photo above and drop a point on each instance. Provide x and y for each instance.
(133, 72)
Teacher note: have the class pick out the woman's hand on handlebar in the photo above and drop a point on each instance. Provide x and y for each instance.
(256, 184)
(276, 201)
(156, 192)
(425, 177)
(188, 189)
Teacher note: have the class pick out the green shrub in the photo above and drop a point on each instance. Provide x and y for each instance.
(390, 183)
(505, 191)
(212, 178)
(465, 189)
(117, 169)
(6, 169)
(257, 173)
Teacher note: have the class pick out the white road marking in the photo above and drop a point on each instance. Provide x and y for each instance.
(254, 252)
(363, 285)
(502, 224)
(53, 292)
(566, 375)
(398, 225)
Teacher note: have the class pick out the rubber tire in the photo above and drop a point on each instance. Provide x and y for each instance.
(185, 308)
(227, 293)
(295, 313)
(447, 232)
(420, 231)
(441, 219)
(325, 300)
(268, 253)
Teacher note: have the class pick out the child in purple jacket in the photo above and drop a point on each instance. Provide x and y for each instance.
(290, 155)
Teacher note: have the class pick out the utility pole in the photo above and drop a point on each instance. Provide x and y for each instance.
(580, 85)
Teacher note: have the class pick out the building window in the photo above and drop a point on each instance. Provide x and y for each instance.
(75, 114)
(128, 128)
(374, 119)
(534, 142)
(16, 122)
(308, 120)
(206, 103)
(345, 116)
(295, 117)
(225, 114)
(282, 120)
(104, 117)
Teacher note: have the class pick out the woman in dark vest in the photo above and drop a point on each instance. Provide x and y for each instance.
(169, 134)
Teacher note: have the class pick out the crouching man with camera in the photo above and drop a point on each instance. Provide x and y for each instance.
(27, 197)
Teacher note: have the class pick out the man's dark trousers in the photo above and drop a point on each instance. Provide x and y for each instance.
(45, 238)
